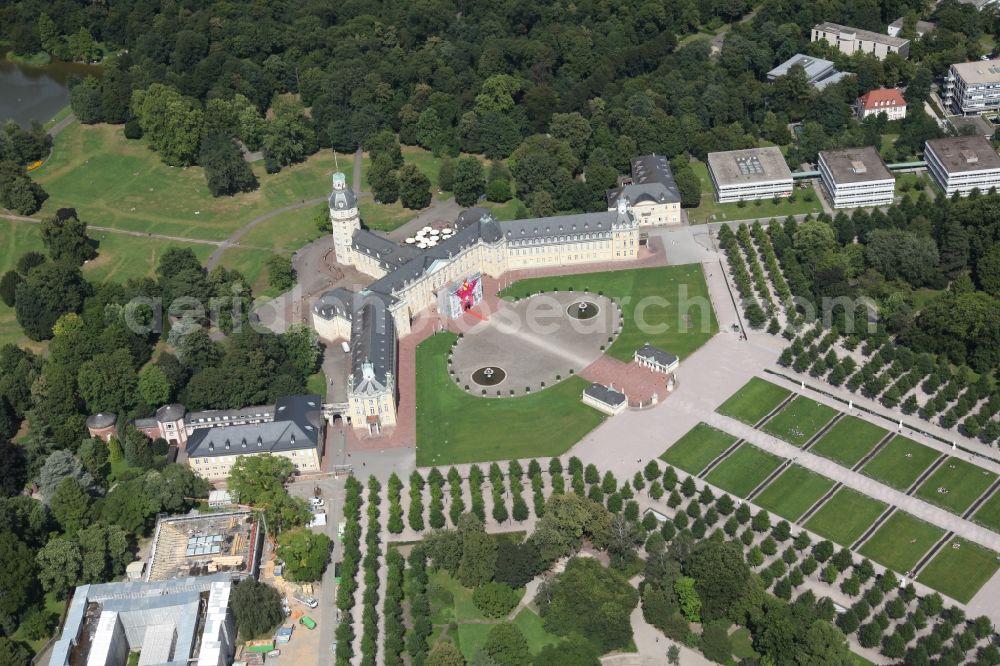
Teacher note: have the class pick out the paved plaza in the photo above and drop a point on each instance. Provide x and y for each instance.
(534, 341)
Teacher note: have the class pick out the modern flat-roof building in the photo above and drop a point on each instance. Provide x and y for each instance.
(754, 173)
(856, 177)
(963, 163)
(184, 622)
(882, 100)
(851, 40)
(819, 72)
(972, 87)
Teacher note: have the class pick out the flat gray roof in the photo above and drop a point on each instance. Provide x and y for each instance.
(814, 67)
(866, 35)
(964, 153)
(979, 71)
(753, 165)
(855, 165)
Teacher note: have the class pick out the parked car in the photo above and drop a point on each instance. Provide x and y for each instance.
(305, 599)
(307, 622)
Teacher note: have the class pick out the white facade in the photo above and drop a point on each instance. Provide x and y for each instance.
(746, 175)
(851, 40)
(958, 169)
(859, 183)
(972, 87)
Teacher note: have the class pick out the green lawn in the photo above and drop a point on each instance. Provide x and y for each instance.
(503, 211)
(955, 485)
(451, 604)
(743, 644)
(698, 447)
(754, 401)
(989, 513)
(849, 440)
(743, 470)
(289, 231)
(901, 541)
(960, 572)
(709, 210)
(53, 606)
(16, 238)
(317, 383)
(673, 299)
(799, 420)
(455, 427)
(900, 462)
(793, 492)
(119, 183)
(845, 516)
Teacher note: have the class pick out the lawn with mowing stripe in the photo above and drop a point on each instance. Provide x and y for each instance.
(960, 572)
(698, 447)
(754, 401)
(989, 513)
(680, 332)
(800, 419)
(793, 492)
(743, 470)
(901, 541)
(455, 427)
(848, 441)
(900, 463)
(955, 485)
(845, 516)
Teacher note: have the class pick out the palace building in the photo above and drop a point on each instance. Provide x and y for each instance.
(448, 274)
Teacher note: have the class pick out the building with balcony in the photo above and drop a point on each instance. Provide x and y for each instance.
(856, 177)
(851, 40)
(972, 87)
(745, 175)
(960, 164)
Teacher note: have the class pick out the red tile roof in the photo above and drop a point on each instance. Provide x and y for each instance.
(882, 98)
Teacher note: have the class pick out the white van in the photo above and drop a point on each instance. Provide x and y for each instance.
(346, 347)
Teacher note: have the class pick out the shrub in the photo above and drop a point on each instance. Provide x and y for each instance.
(495, 599)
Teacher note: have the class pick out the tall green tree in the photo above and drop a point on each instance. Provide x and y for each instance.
(470, 181)
(304, 553)
(171, 122)
(414, 188)
(226, 172)
(65, 237)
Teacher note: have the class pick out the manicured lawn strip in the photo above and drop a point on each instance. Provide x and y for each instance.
(901, 541)
(757, 398)
(684, 331)
(900, 463)
(698, 447)
(845, 516)
(251, 264)
(793, 492)
(848, 441)
(455, 427)
(289, 231)
(316, 383)
(16, 238)
(384, 217)
(709, 210)
(121, 258)
(963, 481)
(960, 572)
(503, 211)
(743, 470)
(988, 514)
(799, 420)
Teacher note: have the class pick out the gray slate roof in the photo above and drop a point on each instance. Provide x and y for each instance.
(343, 199)
(373, 348)
(656, 355)
(652, 181)
(337, 302)
(101, 420)
(604, 394)
(388, 254)
(174, 412)
(297, 425)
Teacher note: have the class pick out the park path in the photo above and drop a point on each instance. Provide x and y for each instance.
(234, 238)
(61, 125)
(123, 232)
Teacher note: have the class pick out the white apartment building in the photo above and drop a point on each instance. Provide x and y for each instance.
(851, 40)
(745, 175)
(856, 177)
(963, 163)
(972, 87)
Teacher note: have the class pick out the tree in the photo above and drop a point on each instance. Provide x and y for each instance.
(48, 292)
(715, 643)
(108, 382)
(256, 607)
(253, 478)
(154, 389)
(722, 576)
(573, 651)
(687, 597)
(446, 175)
(414, 188)
(822, 645)
(14, 466)
(507, 646)
(479, 552)
(518, 563)
(304, 553)
(14, 653)
(60, 565)
(280, 273)
(170, 122)
(445, 654)
(226, 172)
(17, 579)
(470, 181)
(495, 599)
(70, 505)
(18, 192)
(8, 287)
(65, 237)
(61, 465)
(383, 179)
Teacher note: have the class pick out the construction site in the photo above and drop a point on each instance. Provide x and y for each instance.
(201, 545)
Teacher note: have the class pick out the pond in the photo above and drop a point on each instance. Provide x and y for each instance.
(36, 93)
